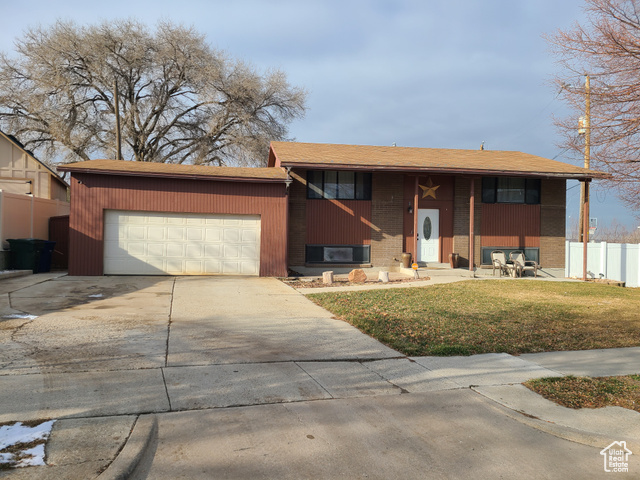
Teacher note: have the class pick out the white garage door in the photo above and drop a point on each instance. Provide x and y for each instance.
(151, 243)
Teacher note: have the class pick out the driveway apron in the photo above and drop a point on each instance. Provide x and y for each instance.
(226, 320)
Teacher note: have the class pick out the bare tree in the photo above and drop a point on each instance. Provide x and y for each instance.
(608, 49)
(180, 101)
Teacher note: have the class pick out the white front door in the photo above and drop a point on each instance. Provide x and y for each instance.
(428, 235)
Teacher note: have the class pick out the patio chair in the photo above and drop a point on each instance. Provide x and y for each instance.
(522, 264)
(499, 261)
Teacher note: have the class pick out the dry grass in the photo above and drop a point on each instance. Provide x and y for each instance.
(474, 317)
(585, 392)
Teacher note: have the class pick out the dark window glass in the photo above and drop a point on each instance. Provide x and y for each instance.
(342, 185)
(330, 185)
(510, 190)
(314, 184)
(532, 195)
(338, 254)
(489, 190)
(363, 186)
(346, 185)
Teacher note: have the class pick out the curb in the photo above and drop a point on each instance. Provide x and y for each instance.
(143, 435)
(583, 437)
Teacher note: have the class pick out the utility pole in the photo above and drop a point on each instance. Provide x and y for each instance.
(116, 102)
(584, 203)
(584, 188)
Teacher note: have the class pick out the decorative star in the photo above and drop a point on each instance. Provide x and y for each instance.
(429, 190)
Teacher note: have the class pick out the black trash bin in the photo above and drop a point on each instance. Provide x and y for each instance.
(44, 264)
(25, 254)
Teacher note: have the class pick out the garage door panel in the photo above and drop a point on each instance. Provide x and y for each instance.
(156, 233)
(213, 235)
(195, 234)
(175, 250)
(175, 233)
(181, 244)
(156, 250)
(231, 251)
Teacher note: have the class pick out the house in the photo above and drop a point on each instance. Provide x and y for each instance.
(316, 205)
(23, 174)
(30, 194)
(362, 205)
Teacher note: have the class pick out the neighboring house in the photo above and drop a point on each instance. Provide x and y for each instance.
(317, 205)
(22, 173)
(30, 194)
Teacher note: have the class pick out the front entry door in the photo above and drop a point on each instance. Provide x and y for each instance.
(428, 235)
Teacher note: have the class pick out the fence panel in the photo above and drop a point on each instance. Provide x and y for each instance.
(25, 216)
(614, 261)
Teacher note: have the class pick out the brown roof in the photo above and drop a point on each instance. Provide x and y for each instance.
(150, 169)
(483, 162)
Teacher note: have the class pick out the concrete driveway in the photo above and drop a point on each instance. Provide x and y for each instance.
(127, 323)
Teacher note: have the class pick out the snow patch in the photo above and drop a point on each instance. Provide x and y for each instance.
(17, 433)
(25, 316)
(96, 295)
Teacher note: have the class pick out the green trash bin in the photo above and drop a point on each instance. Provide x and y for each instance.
(25, 254)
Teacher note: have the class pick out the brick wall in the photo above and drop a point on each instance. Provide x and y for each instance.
(387, 200)
(462, 191)
(297, 218)
(552, 223)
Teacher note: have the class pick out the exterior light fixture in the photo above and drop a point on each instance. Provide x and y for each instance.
(410, 209)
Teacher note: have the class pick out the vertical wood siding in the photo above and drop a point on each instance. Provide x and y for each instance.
(97, 193)
(443, 202)
(338, 222)
(510, 225)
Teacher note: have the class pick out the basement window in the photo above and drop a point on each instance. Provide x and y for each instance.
(338, 184)
(346, 254)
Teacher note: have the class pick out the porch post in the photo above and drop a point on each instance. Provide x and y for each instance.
(472, 201)
(415, 220)
(585, 230)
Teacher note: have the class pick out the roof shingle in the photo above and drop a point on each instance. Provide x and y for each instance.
(122, 167)
(291, 154)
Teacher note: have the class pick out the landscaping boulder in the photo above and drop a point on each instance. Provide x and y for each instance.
(357, 276)
(327, 278)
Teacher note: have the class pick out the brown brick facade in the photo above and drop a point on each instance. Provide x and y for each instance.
(553, 221)
(387, 220)
(387, 197)
(297, 236)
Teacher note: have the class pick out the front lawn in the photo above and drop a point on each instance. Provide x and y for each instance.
(472, 317)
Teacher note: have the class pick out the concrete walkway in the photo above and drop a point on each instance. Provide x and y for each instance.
(223, 356)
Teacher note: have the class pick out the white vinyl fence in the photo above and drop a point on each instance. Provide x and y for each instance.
(615, 261)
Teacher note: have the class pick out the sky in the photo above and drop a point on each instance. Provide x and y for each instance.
(417, 73)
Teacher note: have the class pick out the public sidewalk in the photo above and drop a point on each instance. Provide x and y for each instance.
(496, 377)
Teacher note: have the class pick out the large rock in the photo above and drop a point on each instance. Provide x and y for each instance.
(357, 276)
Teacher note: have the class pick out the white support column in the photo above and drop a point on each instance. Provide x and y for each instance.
(567, 259)
(638, 270)
(32, 211)
(603, 259)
